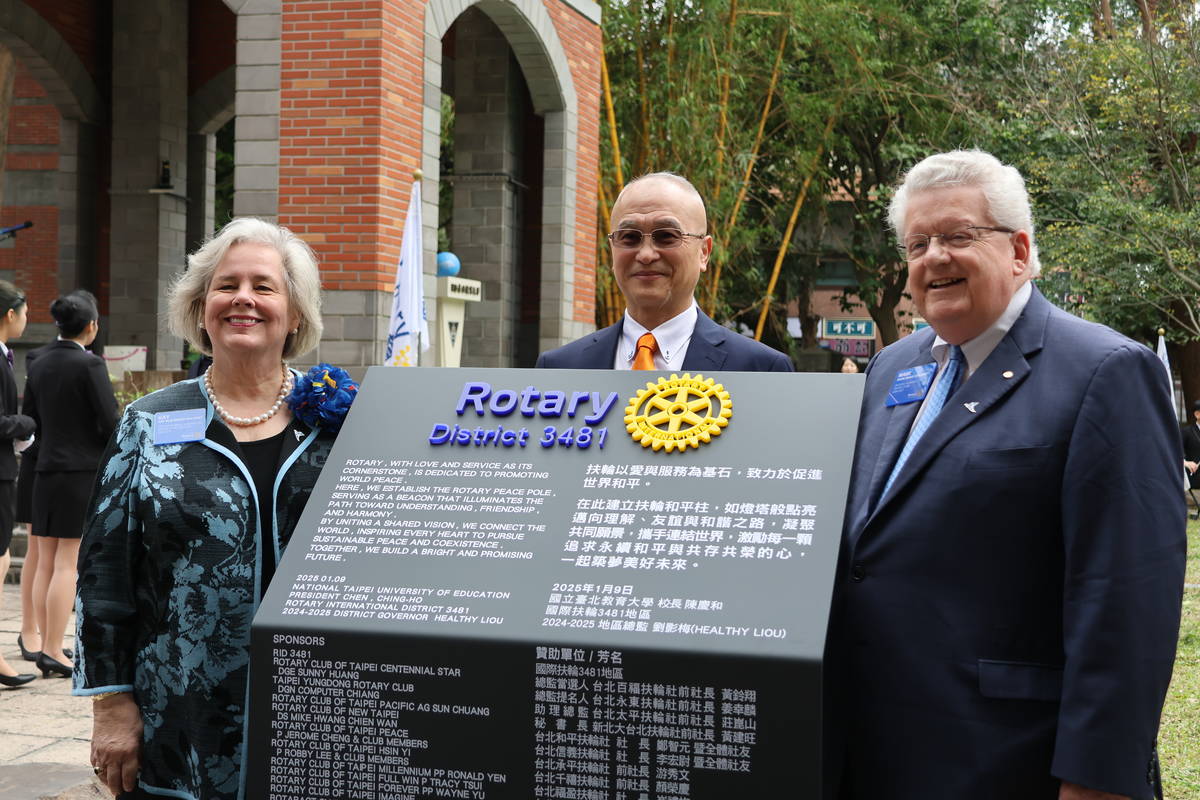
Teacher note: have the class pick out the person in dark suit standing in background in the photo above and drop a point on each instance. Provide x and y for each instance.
(1007, 599)
(1191, 447)
(69, 395)
(660, 245)
(14, 428)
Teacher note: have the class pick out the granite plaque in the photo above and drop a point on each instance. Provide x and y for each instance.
(558, 584)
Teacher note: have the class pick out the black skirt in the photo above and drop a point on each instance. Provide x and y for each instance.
(60, 503)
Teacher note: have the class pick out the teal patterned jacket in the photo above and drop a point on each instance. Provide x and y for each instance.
(169, 580)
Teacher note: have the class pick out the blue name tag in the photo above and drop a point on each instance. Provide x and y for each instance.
(911, 384)
(174, 427)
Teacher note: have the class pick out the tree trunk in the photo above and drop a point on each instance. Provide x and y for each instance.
(8, 73)
(1189, 375)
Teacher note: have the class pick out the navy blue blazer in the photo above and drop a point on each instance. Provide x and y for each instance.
(1006, 616)
(713, 347)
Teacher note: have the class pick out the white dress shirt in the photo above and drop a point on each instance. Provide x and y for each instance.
(673, 337)
(978, 349)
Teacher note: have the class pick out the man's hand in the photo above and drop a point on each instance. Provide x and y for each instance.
(1190, 466)
(1073, 791)
(117, 741)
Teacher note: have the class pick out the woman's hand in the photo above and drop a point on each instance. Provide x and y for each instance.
(117, 741)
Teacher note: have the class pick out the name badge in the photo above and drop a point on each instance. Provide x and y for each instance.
(176, 427)
(911, 385)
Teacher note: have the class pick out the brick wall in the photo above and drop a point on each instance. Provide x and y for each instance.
(32, 161)
(581, 41)
(85, 26)
(349, 128)
(32, 259)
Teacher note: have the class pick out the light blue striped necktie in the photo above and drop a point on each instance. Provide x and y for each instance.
(943, 390)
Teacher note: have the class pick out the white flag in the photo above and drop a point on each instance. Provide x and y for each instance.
(407, 328)
(1162, 356)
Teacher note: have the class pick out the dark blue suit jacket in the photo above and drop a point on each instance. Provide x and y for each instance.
(1006, 616)
(712, 347)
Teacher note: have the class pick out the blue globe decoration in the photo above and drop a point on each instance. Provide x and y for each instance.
(448, 264)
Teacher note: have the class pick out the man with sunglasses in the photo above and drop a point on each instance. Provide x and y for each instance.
(1007, 599)
(659, 248)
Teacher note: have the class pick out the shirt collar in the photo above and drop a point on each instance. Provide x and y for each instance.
(978, 349)
(72, 341)
(672, 336)
(3, 349)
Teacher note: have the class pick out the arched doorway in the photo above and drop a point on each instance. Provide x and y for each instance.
(513, 161)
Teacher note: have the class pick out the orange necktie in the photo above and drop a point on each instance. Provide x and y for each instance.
(646, 347)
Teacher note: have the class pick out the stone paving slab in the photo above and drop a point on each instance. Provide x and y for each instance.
(45, 733)
(47, 781)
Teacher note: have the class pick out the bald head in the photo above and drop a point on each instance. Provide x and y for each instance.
(659, 282)
(688, 195)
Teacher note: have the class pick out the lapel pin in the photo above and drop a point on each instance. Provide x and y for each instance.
(1008, 373)
(971, 406)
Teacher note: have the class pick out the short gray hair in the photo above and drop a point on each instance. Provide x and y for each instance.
(185, 309)
(1002, 186)
(670, 177)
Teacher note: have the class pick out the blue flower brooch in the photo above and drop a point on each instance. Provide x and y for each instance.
(322, 397)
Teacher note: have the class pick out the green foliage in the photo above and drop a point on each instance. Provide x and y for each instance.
(864, 88)
(1179, 734)
(1105, 130)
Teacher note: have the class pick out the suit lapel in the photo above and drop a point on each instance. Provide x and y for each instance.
(601, 351)
(1003, 370)
(705, 350)
(899, 423)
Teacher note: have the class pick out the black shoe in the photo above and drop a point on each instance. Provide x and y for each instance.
(47, 665)
(28, 655)
(16, 680)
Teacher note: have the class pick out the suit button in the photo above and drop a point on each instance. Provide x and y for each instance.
(858, 572)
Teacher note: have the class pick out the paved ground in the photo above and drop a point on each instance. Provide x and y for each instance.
(44, 731)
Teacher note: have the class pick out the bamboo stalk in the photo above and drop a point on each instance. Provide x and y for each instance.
(612, 116)
(723, 112)
(791, 226)
(727, 228)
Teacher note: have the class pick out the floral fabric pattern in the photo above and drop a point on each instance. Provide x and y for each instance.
(169, 583)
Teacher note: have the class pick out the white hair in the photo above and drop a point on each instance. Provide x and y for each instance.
(1002, 186)
(185, 308)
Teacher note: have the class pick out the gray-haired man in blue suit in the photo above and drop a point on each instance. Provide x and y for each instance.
(660, 245)
(1008, 594)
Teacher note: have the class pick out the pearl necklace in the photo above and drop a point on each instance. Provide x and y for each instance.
(245, 422)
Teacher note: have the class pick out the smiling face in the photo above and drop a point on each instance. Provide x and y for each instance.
(246, 310)
(659, 284)
(961, 292)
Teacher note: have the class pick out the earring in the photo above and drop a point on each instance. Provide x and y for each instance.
(295, 331)
(201, 326)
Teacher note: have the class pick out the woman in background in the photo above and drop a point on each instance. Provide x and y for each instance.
(70, 397)
(30, 637)
(14, 427)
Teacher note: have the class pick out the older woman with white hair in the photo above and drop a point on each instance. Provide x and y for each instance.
(197, 496)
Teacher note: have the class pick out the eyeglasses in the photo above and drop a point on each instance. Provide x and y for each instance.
(917, 245)
(662, 238)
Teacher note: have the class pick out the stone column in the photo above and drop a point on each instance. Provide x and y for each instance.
(149, 127)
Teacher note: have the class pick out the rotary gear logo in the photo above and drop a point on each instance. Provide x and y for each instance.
(679, 413)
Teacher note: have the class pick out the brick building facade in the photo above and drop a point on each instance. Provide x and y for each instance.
(336, 105)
